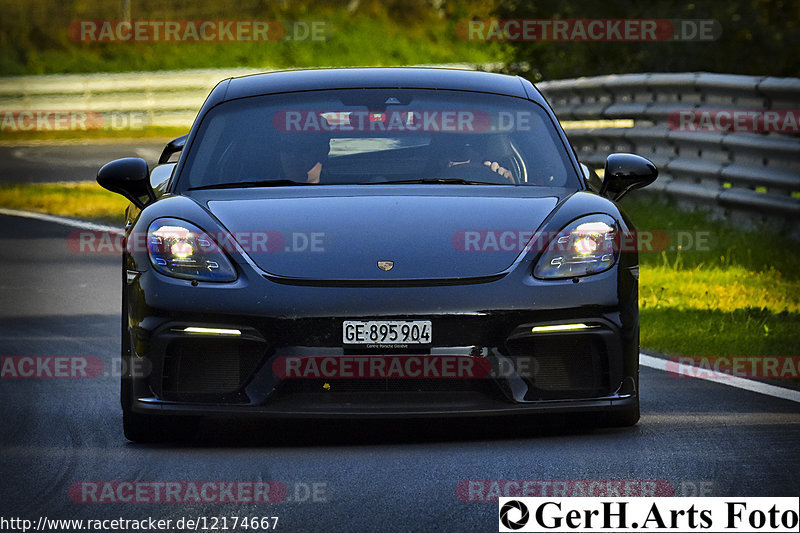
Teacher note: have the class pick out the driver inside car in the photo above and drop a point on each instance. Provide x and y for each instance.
(304, 159)
(470, 152)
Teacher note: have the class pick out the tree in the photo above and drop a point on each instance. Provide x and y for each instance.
(758, 37)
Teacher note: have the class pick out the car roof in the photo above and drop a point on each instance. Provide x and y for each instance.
(393, 78)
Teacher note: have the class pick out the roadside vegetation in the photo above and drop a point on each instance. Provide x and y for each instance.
(82, 199)
(317, 34)
(151, 132)
(44, 37)
(717, 289)
(725, 291)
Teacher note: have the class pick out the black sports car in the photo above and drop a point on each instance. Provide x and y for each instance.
(376, 243)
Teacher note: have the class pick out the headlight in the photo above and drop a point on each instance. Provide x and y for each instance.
(182, 250)
(585, 246)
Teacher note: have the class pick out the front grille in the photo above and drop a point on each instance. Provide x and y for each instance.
(206, 368)
(563, 366)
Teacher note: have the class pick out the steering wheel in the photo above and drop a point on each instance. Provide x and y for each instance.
(476, 171)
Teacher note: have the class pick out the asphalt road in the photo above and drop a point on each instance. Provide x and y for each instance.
(60, 432)
(68, 161)
(61, 442)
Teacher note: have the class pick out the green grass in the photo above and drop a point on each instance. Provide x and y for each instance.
(361, 40)
(718, 311)
(149, 133)
(717, 289)
(71, 199)
(738, 295)
(747, 332)
(725, 244)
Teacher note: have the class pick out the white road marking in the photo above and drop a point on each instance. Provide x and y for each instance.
(732, 381)
(724, 419)
(64, 221)
(644, 359)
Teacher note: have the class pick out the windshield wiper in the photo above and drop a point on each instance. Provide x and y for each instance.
(254, 183)
(458, 181)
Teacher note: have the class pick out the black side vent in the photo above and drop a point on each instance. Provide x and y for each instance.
(562, 366)
(209, 369)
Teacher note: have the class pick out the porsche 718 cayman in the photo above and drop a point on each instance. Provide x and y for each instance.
(376, 243)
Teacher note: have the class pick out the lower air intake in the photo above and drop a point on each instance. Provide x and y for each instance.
(209, 367)
(562, 366)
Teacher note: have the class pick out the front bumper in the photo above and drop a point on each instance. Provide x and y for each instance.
(593, 369)
(191, 373)
(402, 407)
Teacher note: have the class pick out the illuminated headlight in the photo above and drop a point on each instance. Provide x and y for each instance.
(182, 250)
(584, 247)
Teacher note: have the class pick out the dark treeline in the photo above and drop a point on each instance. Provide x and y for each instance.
(758, 37)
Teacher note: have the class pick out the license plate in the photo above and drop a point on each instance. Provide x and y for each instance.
(386, 332)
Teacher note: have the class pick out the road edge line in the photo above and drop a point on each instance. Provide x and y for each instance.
(658, 363)
(646, 360)
(64, 221)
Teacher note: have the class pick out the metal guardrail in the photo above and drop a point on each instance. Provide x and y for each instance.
(168, 98)
(737, 173)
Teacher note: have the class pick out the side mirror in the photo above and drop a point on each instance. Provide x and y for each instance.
(626, 172)
(174, 146)
(128, 177)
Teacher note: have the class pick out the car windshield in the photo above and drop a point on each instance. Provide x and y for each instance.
(377, 136)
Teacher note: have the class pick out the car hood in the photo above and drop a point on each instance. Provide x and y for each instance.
(344, 237)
